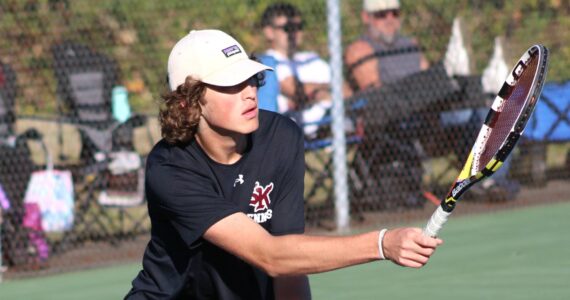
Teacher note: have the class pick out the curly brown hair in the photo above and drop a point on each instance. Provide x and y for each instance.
(180, 109)
(180, 112)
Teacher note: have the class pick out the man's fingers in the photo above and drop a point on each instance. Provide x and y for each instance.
(412, 257)
(429, 242)
(415, 261)
(409, 247)
(426, 252)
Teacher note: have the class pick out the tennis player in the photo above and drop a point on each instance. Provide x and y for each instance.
(225, 191)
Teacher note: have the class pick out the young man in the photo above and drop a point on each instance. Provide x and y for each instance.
(225, 191)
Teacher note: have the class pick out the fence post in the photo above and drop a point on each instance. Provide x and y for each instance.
(339, 139)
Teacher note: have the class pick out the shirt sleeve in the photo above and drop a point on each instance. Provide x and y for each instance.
(311, 68)
(187, 199)
(316, 71)
(289, 209)
(283, 71)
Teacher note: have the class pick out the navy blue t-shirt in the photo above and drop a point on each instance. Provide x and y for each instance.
(188, 192)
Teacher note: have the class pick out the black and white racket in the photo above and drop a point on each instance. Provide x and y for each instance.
(503, 127)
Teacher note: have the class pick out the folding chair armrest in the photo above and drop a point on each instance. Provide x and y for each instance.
(352, 107)
(137, 120)
(31, 134)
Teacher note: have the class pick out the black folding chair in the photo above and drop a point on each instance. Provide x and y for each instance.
(110, 173)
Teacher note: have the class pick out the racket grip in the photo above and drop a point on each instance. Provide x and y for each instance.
(435, 223)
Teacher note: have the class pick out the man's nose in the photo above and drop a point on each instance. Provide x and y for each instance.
(250, 89)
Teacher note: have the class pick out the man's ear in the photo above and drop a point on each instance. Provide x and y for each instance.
(269, 33)
(365, 17)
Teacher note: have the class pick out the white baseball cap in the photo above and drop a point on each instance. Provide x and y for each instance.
(376, 5)
(210, 56)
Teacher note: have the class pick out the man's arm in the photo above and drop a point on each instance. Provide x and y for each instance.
(314, 91)
(424, 63)
(365, 73)
(298, 254)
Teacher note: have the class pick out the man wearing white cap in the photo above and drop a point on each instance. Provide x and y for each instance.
(225, 191)
(382, 55)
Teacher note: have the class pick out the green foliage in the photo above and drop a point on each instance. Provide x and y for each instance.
(520, 23)
(139, 34)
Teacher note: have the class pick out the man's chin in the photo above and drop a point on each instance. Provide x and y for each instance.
(388, 39)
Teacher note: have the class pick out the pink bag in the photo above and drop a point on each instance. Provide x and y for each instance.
(33, 221)
(52, 191)
(32, 217)
(4, 202)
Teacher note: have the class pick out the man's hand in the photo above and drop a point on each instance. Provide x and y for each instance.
(408, 247)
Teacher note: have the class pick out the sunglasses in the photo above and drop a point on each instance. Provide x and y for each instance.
(381, 14)
(290, 26)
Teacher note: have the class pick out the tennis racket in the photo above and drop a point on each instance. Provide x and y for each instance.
(501, 130)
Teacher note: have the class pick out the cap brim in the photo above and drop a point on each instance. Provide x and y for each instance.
(235, 73)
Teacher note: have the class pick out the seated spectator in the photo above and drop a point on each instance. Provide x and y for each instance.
(382, 54)
(304, 77)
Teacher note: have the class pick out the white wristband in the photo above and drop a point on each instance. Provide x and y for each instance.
(380, 240)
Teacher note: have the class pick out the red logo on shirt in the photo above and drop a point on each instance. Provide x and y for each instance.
(260, 199)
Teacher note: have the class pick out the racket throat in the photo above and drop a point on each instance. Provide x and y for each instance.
(457, 191)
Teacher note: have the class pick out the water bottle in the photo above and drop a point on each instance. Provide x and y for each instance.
(120, 104)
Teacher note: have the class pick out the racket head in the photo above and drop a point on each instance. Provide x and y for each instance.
(505, 122)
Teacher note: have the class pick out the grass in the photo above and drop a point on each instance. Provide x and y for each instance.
(509, 255)
(517, 254)
(108, 283)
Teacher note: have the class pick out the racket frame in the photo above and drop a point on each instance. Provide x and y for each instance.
(469, 174)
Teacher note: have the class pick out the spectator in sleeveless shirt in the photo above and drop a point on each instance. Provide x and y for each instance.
(304, 77)
(399, 56)
(382, 55)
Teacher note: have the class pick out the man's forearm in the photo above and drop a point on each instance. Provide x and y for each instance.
(299, 254)
(304, 254)
(314, 91)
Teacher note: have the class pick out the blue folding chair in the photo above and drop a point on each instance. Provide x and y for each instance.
(550, 124)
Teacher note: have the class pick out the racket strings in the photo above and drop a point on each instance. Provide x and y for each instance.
(508, 113)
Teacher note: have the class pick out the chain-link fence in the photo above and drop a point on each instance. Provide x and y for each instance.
(80, 85)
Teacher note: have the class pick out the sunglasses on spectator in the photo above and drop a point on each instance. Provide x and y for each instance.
(290, 26)
(381, 14)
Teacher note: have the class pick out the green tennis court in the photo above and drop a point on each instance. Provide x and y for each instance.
(520, 254)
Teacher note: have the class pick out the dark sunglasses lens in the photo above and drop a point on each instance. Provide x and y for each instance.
(293, 27)
(381, 14)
